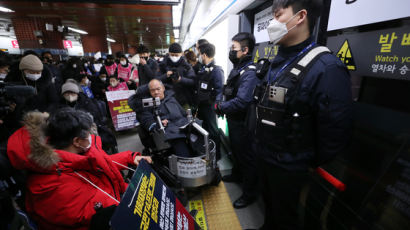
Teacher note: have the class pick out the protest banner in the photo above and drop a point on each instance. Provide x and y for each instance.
(150, 205)
(123, 117)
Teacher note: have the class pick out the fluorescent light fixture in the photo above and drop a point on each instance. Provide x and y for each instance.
(204, 19)
(177, 14)
(77, 30)
(176, 33)
(4, 9)
(110, 40)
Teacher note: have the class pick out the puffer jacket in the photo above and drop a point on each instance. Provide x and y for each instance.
(57, 197)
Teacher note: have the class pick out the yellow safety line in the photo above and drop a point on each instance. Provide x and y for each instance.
(220, 215)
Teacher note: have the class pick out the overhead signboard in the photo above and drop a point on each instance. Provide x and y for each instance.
(261, 24)
(15, 44)
(382, 53)
(68, 44)
(350, 13)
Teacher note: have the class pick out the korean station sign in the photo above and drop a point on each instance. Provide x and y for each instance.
(68, 44)
(15, 44)
(382, 53)
(261, 23)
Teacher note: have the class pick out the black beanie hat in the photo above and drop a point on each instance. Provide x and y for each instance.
(175, 48)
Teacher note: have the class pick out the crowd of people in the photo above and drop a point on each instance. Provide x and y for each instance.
(282, 120)
(71, 93)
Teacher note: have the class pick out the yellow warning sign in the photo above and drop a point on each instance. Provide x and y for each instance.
(345, 55)
(256, 58)
(200, 216)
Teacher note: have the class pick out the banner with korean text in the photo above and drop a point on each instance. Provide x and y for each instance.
(123, 117)
(150, 205)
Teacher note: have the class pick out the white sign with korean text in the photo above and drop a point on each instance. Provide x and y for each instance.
(350, 13)
(261, 24)
(119, 95)
(191, 168)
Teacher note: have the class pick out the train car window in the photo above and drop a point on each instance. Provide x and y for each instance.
(387, 93)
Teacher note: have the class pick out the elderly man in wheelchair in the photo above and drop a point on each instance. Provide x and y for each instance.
(174, 138)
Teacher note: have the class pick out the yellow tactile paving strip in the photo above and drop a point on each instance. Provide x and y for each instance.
(220, 215)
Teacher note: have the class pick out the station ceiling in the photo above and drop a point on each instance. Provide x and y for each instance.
(124, 22)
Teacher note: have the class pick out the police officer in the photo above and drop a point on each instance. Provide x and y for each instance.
(209, 86)
(303, 111)
(238, 93)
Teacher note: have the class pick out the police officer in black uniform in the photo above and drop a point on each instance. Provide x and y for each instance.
(238, 93)
(303, 111)
(208, 91)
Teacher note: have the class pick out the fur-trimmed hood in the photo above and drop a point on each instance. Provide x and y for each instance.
(27, 147)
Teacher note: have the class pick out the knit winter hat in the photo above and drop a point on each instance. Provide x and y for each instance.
(31, 62)
(70, 87)
(175, 48)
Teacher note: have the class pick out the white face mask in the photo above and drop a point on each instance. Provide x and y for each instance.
(74, 66)
(97, 67)
(200, 59)
(87, 81)
(103, 79)
(33, 77)
(3, 76)
(135, 59)
(174, 59)
(113, 85)
(71, 98)
(277, 30)
(85, 64)
(88, 146)
(123, 62)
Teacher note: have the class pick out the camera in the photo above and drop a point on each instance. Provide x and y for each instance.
(151, 102)
(175, 74)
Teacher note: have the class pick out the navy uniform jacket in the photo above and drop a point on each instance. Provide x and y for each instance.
(326, 91)
(236, 107)
(216, 77)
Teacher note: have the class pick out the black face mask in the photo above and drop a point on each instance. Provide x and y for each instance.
(232, 56)
(108, 63)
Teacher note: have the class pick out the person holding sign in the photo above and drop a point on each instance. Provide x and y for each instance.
(70, 177)
(116, 84)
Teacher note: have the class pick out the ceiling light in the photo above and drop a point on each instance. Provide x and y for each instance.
(110, 40)
(77, 30)
(4, 9)
(176, 33)
(177, 14)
